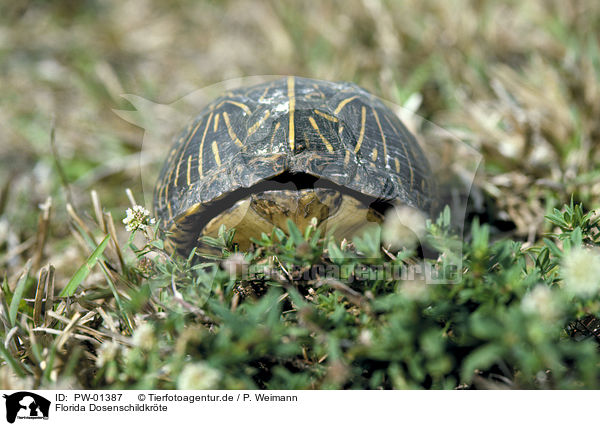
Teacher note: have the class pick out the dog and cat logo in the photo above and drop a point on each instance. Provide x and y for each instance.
(26, 405)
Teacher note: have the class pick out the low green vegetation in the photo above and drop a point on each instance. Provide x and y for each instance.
(303, 311)
(84, 303)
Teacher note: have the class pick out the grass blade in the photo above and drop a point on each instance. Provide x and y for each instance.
(18, 294)
(85, 269)
(14, 364)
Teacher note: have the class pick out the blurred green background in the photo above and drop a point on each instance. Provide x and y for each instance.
(518, 81)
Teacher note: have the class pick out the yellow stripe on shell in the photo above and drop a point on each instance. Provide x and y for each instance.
(183, 149)
(170, 210)
(343, 103)
(264, 93)
(326, 116)
(215, 150)
(177, 172)
(230, 130)
(259, 123)
(189, 168)
(327, 144)
(385, 156)
(292, 102)
(244, 107)
(201, 149)
(363, 115)
(277, 125)
(410, 169)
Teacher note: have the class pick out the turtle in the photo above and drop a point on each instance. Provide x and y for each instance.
(313, 151)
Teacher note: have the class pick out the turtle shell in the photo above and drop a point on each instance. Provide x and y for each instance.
(296, 132)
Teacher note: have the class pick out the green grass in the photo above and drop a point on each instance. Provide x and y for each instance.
(518, 82)
(303, 311)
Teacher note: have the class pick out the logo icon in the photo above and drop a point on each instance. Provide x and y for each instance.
(26, 405)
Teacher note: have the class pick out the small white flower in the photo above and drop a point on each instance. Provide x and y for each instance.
(138, 218)
(365, 337)
(198, 376)
(107, 352)
(143, 337)
(543, 302)
(403, 227)
(581, 272)
(414, 290)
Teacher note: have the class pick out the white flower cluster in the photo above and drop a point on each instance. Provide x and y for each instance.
(414, 290)
(138, 218)
(198, 376)
(542, 301)
(403, 227)
(108, 352)
(143, 337)
(581, 272)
